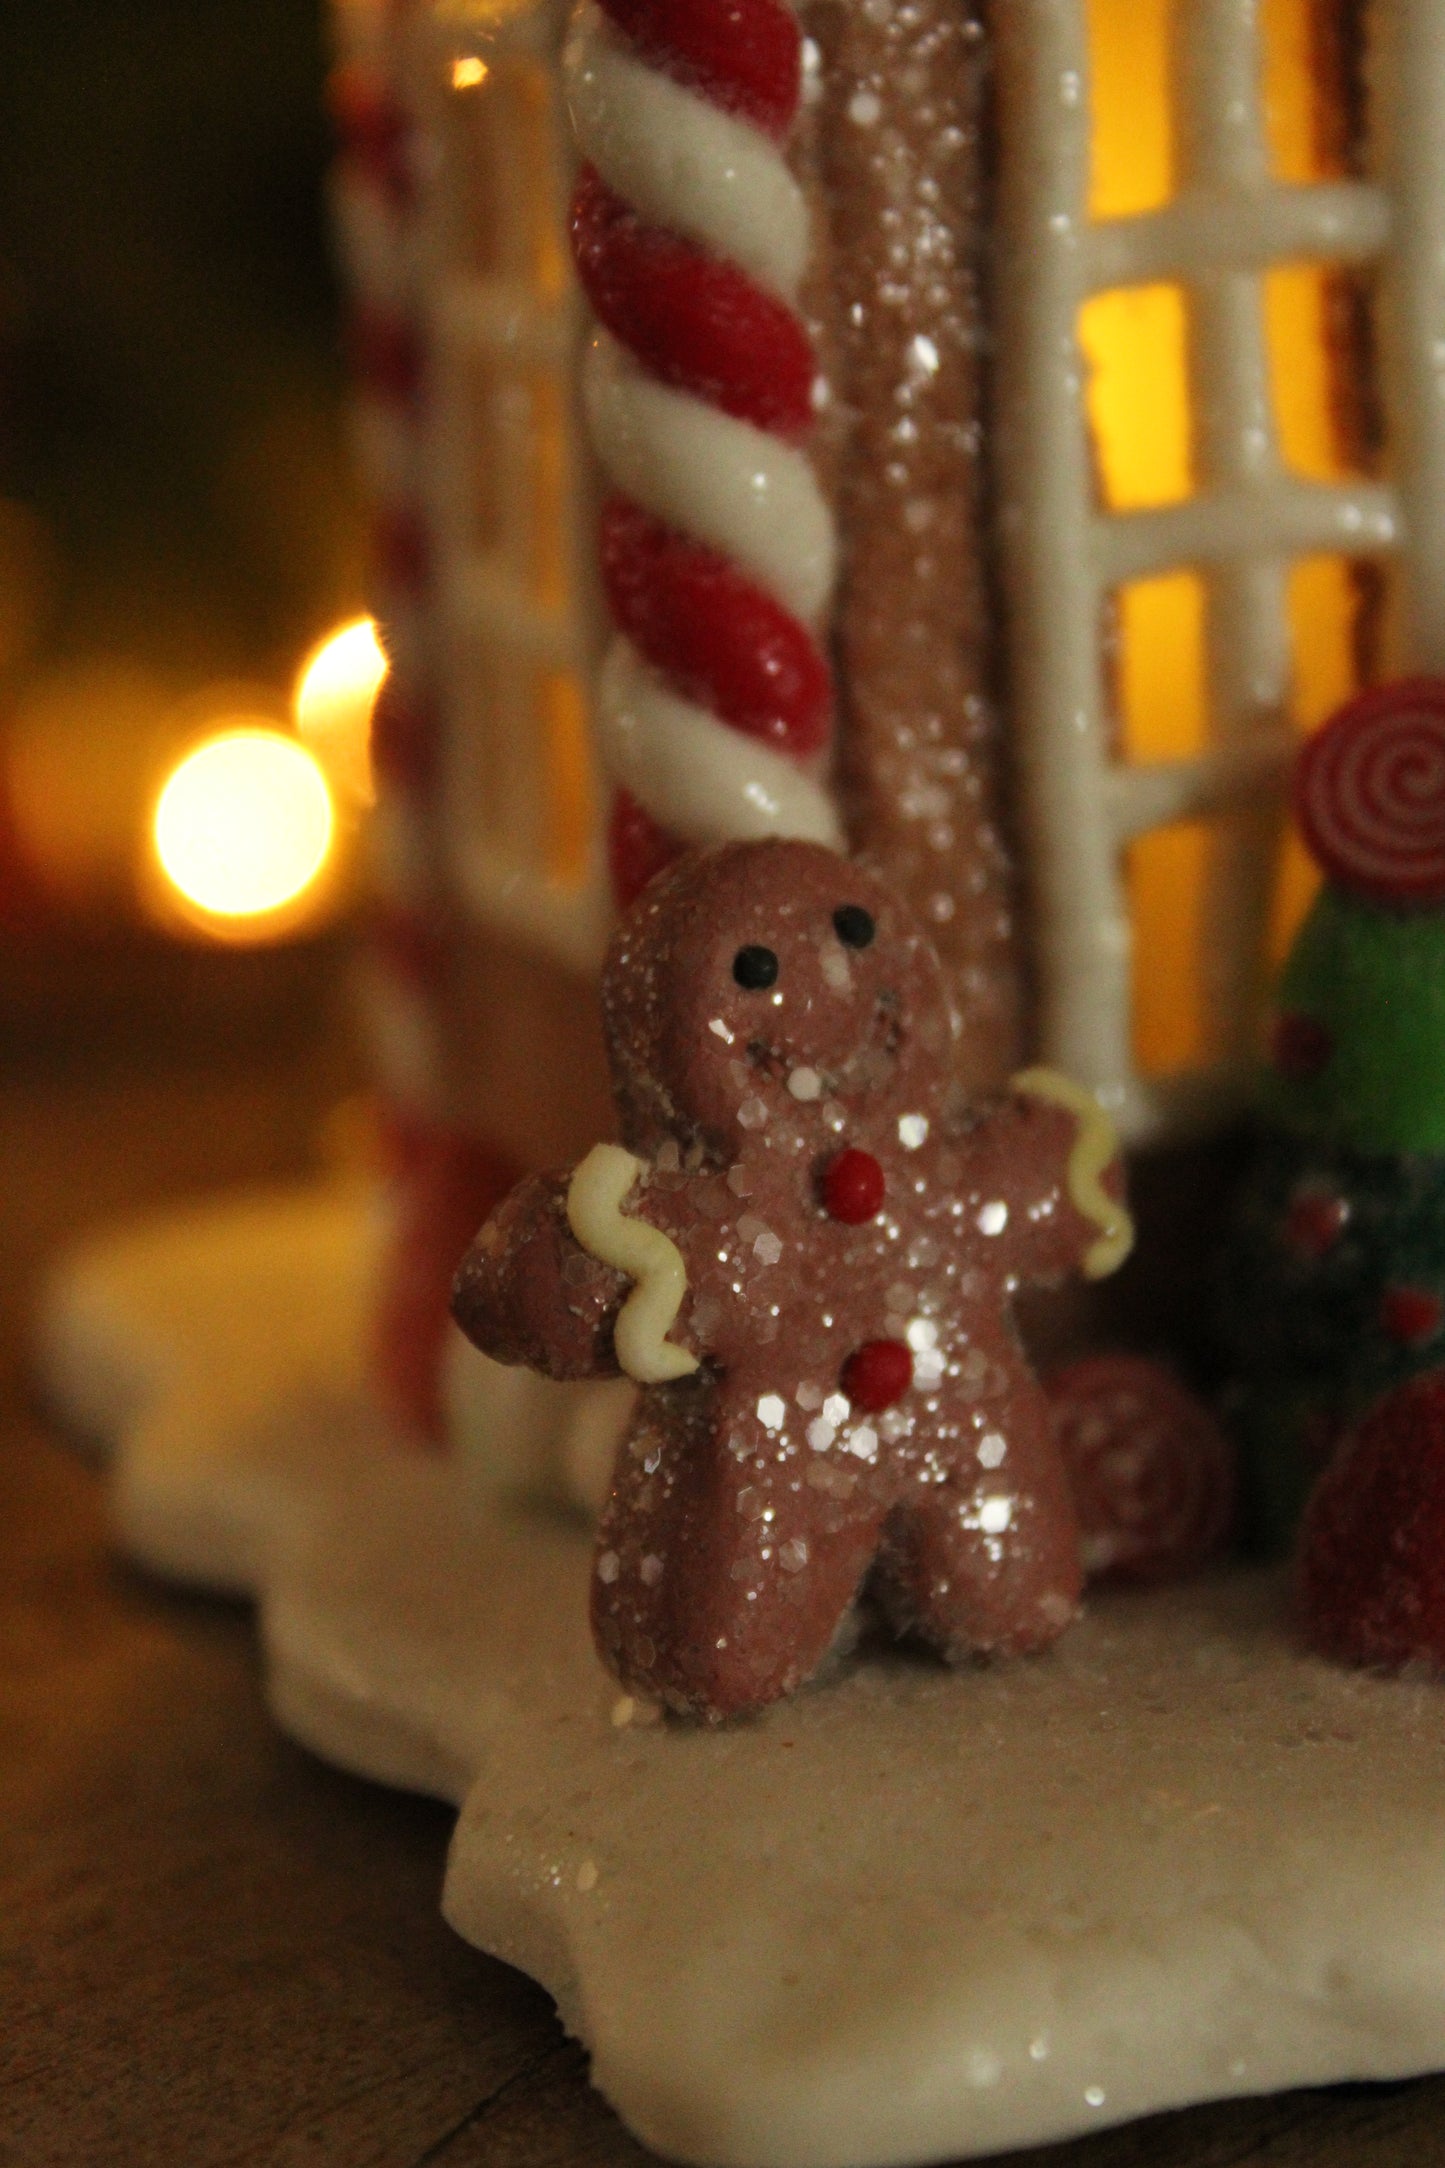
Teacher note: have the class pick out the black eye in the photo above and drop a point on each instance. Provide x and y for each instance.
(755, 968)
(852, 925)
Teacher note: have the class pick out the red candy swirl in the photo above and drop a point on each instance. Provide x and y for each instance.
(1369, 794)
(1152, 1475)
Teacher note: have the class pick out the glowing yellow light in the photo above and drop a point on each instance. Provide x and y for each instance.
(468, 73)
(335, 694)
(244, 824)
(1136, 343)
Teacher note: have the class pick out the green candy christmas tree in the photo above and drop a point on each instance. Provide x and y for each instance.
(1333, 1290)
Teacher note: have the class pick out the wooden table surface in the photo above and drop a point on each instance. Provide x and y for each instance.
(213, 1949)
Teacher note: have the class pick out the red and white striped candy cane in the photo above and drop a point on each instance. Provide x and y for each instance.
(441, 1182)
(691, 237)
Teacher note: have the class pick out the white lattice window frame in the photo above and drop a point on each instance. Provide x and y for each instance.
(1247, 519)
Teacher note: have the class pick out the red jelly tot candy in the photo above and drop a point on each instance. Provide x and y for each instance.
(1410, 1315)
(1372, 1579)
(1369, 794)
(1315, 1221)
(1152, 1474)
(877, 1375)
(1300, 1046)
(853, 1188)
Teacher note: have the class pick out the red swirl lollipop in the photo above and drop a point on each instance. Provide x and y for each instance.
(1151, 1473)
(1369, 794)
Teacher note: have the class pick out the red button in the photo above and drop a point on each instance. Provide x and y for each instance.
(1300, 1046)
(877, 1374)
(1315, 1221)
(1410, 1315)
(853, 1187)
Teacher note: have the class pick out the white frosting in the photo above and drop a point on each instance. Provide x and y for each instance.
(681, 162)
(703, 783)
(752, 497)
(519, 1436)
(594, 1213)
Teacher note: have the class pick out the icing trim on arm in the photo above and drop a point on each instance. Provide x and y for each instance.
(594, 1213)
(1093, 1148)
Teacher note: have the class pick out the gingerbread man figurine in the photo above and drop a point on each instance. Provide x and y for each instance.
(805, 1255)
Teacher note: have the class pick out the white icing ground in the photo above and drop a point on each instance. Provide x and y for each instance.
(521, 1438)
(909, 1915)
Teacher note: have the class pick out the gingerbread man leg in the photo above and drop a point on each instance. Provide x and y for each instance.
(722, 1574)
(987, 1562)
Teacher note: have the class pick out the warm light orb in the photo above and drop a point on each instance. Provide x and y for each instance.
(244, 824)
(335, 694)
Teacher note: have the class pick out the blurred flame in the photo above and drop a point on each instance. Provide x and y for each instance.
(468, 73)
(244, 824)
(335, 694)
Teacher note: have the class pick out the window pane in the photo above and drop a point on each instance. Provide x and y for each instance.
(1133, 154)
(1133, 342)
(1159, 671)
(569, 785)
(1166, 875)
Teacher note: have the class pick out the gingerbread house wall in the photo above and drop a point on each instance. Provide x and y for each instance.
(451, 204)
(487, 918)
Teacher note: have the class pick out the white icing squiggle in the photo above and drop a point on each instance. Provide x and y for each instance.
(595, 1197)
(1094, 1147)
(681, 162)
(699, 781)
(752, 497)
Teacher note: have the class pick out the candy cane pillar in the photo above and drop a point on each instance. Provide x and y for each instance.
(441, 1182)
(717, 547)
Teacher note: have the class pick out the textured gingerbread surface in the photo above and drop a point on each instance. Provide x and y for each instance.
(898, 155)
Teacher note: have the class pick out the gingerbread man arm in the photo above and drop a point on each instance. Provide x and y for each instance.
(1044, 1181)
(527, 1292)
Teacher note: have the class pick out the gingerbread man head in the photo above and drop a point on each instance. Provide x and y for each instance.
(805, 1255)
(766, 987)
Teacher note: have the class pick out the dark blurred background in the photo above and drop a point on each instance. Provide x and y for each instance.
(171, 452)
(176, 517)
(176, 509)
